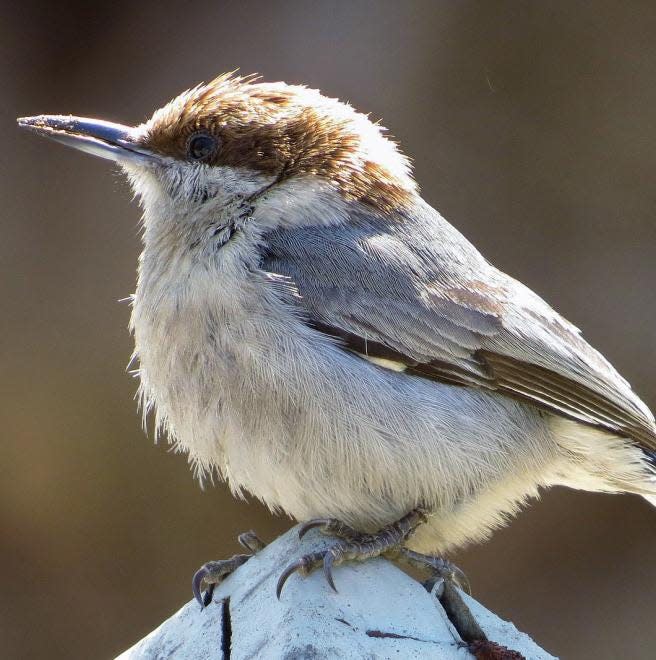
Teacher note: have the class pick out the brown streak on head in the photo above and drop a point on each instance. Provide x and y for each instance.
(283, 129)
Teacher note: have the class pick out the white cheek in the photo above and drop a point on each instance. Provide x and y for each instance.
(236, 181)
(147, 186)
(180, 188)
(303, 200)
(185, 194)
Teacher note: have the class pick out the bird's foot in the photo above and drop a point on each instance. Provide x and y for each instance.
(214, 572)
(332, 527)
(353, 546)
(441, 569)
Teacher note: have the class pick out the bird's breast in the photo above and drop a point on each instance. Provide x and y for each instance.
(194, 331)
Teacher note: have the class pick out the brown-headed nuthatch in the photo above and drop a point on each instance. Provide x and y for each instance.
(310, 329)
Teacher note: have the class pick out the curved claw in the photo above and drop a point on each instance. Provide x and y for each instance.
(196, 586)
(311, 524)
(304, 565)
(328, 560)
(455, 573)
(292, 568)
(251, 541)
(461, 579)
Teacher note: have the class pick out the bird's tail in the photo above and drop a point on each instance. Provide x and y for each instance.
(606, 462)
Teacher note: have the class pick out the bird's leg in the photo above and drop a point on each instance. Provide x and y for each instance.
(352, 546)
(332, 527)
(439, 567)
(214, 572)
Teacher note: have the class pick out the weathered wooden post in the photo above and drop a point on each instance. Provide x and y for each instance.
(379, 612)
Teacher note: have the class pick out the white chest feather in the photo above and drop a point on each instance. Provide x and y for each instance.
(191, 329)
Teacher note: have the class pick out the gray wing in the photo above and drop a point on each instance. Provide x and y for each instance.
(414, 290)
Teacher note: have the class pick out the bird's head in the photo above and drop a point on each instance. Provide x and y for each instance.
(273, 152)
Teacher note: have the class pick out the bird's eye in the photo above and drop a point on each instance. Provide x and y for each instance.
(202, 146)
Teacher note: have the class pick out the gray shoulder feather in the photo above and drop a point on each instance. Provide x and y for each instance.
(414, 290)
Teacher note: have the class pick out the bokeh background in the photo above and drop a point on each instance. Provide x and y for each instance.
(532, 128)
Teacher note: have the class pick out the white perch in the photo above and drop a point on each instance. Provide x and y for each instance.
(379, 612)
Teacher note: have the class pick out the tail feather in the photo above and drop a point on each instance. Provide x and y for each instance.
(604, 462)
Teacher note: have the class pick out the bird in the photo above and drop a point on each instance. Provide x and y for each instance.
(310, 330)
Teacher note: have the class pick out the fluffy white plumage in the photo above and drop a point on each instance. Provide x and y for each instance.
(310, 330)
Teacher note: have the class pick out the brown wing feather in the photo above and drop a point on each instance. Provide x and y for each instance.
(521, 380)
(564, 396)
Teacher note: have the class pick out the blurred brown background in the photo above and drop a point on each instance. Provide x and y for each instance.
(532, 128)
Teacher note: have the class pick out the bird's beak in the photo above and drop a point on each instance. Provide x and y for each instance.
(95, 136)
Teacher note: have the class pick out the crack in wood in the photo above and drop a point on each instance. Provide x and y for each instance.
(226, 629)
(469, 629)
(460, 615)
(390, 635)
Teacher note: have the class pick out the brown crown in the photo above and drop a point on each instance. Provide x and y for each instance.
(287, 131)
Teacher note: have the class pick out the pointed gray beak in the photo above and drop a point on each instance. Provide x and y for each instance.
(95, 136)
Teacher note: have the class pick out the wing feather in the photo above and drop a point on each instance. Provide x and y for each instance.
(415, 291)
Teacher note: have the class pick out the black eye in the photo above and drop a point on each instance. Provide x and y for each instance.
(201, 146)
